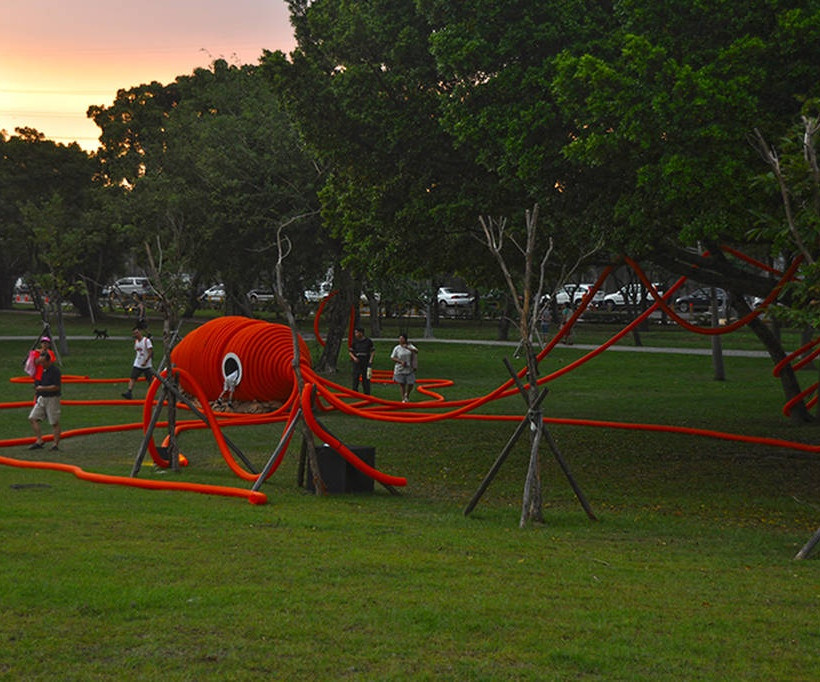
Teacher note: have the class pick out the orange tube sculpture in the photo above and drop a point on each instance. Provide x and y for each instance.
(260, 352)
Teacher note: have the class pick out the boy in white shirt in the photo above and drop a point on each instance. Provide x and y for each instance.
(143, 354)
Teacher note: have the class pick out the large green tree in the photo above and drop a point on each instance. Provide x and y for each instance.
(631, 120)
(209, 167)
(365, 92)
(668, 104)
(49, 219)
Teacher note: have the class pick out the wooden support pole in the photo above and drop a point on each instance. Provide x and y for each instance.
(534, 417)
(565, 467)
(491, 474)
(282, 441)
(809, 546)
(149, 432)
(181, 397)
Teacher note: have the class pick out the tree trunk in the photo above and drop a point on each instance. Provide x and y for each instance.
(504, 322)
(338, 312)
(717, 345)
(532, 499)
(375, 315)
(788, 380)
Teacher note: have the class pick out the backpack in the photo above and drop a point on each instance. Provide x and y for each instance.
(29, 366)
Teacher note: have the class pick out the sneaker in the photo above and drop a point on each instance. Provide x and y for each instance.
(127, 395)
(55, 447)
(35, 446)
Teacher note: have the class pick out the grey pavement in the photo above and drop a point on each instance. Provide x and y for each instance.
(485, 342)
(614, 348)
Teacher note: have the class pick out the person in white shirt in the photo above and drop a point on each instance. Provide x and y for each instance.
(143, 355)
(404, 372)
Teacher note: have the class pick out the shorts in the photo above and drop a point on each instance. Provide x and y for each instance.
(46, 408)
(404, 378)
(147, 372)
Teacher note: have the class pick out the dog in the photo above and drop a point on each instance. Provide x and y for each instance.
(100, 334)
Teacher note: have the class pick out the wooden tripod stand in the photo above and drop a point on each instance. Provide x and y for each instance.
(534, 419)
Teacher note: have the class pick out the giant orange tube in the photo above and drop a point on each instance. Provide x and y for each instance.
(261, 351)
(340, 447)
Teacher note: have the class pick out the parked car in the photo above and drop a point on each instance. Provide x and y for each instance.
(700, 300)
(261, 296)
(125, 287)
(631, 294)
(450, 299)
(214, 294)
(574, 293)
(316, 295)
(21, 286)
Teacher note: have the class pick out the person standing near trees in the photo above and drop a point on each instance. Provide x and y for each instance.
(139, 308)
(143, 354)
(566, 316)
(47, 402)
(405, 355)
(361, 353)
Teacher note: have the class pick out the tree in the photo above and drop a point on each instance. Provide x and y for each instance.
(665, 106)
(47, 193)
(794, 173)
(364, 91)
(208, 166)
(527, 303)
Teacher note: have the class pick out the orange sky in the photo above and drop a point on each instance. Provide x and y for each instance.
(58, 57)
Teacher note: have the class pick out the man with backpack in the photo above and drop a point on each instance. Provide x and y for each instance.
(47, 403)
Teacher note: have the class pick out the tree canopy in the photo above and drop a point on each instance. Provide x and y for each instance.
(209, 166)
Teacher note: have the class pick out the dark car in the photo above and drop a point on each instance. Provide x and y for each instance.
(700, 300)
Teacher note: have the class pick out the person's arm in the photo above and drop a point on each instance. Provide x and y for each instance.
(48, 388)
(351, 353)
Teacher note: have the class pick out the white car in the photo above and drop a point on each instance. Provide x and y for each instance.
(128, 286)
(214, 294)
(449, 299)
(631, 294)
(316, 295)
(574, 293)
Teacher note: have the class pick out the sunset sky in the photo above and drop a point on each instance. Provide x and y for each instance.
(58, 57)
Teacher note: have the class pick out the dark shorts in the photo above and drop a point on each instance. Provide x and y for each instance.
(147, 372)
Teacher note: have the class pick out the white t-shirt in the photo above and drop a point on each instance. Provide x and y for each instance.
(142, 359)
(404, 358)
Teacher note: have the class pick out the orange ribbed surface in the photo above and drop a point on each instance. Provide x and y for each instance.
(265, 350)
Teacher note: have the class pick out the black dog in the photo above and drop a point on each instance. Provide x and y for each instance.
(100, 334)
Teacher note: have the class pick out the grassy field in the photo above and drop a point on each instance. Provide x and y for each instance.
(688, 574)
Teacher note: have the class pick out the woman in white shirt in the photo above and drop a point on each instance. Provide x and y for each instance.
(405, 355)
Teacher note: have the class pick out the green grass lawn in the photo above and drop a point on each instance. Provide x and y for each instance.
(688, 574)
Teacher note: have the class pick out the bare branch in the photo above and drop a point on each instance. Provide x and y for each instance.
(275, 243)
(770, 156)
(494, 233)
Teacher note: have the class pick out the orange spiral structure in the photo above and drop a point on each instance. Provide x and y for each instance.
(261, 351)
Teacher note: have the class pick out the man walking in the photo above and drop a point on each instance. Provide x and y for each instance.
(361, 353)
(143, 354)
(47, 402)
